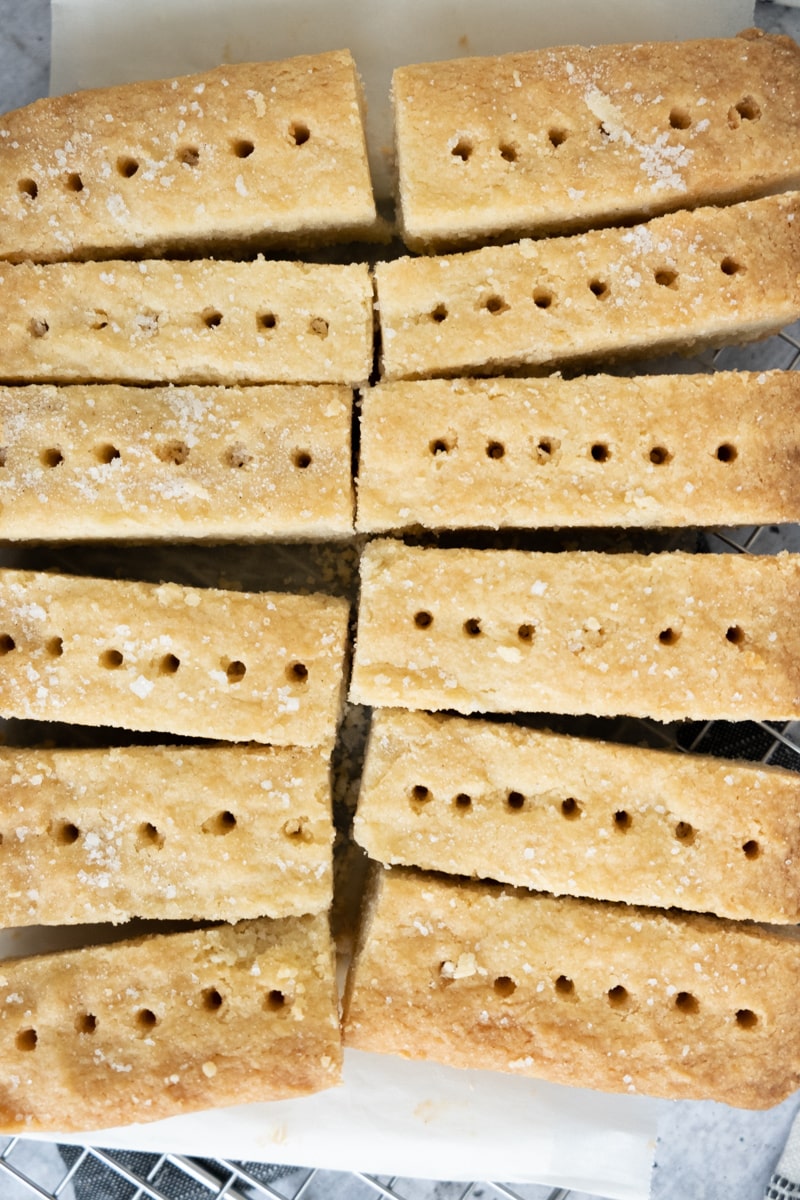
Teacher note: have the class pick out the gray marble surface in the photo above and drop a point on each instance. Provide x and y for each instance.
(705, 1151)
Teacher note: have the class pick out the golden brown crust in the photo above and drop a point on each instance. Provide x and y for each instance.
(583, 818)
(171, 463)
(186, 322)
(239, 666)
(668, 636)
(151, 1028)
(681, 281)
(650, 450)
(582, 993)
(570, 138)
(190, 833)
(265, 154)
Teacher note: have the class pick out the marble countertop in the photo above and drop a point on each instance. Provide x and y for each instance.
(705, 1150)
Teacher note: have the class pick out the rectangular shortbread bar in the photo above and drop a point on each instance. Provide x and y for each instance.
(670, 636)
(256, 153)
(583, 818)
(551, 141)
(103, 461)
(689, 279)
(164, 321)
(161, 1025)
(600, 450)
(174, 833)
(235, 666)
(606, 996)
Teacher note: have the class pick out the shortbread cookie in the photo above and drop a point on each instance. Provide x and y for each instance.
(600, 450)
(161, 1025)
(549, 141)
(582, 818)
(682, 281)
(238, 666)
(195, 833)
(186, 322)
(605, 996)
(101, 461)
(258, 154)
(669, 636)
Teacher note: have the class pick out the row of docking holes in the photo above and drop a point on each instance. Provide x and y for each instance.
(618, 997)
(547, 450)
(127, 167)
(746, 109)
(594, 633)
(168, 665)
(174, 453)
(571, 809)
(210, 318)
(145, 1020)
(545, 298)
(150, 837)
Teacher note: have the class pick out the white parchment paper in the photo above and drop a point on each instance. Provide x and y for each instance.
(391, 1116)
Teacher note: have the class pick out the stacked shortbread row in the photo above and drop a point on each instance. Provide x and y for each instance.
(193, 397)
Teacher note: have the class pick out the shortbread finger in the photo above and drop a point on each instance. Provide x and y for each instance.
(551, 141)
(237, 666)
(166, 1024)
(668, 636)
(581, 818)
(101, 461)
(259, 154)
(690, 279)
(600, 450)
(186, 322)
(606, 996)
(189, 833)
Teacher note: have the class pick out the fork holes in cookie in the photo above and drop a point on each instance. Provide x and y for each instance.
(85, 1023)
(526, 633)
(508, 152)
(7, 644)
(564, 986)
(462, 801)
(542, 297)
(600, 452)
(237, 456)
(685, 1002)
(189, 156)
(297, 672)
(599, 289)
(235, 671)
(751, 849)
(173, 452)
(266, 320)
(243, 148)
(684, 832)
(472, 627)
(299, 133)
(148, 835)
(420, 793)
(51, 457)
(319, 327)
(570, 809)
(504, 986)
(462, 149)
(212, 1000)
(746, 110)
(729, 266)
(146, 1019)
(665, 277)
(26, 1039)
(127, 167)
(495, 450)
(735, 635)
(746, 1018)
(679, 118)
(38, 327)
(220, 824)
(112, 660)
(439, 313)
(659, 455)
(169, 664)
(65, 833)
(515, 801)
(618, 996)
(301, 459)
(557, 137)
(669, 636)
(107, 453)
(74, 182)
(439, 446)
(423, 620)
(727, 453)
(275, 1000)
(622, 821)
(212, 318)
(495, 305)
(54, 647)
(28, 188)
